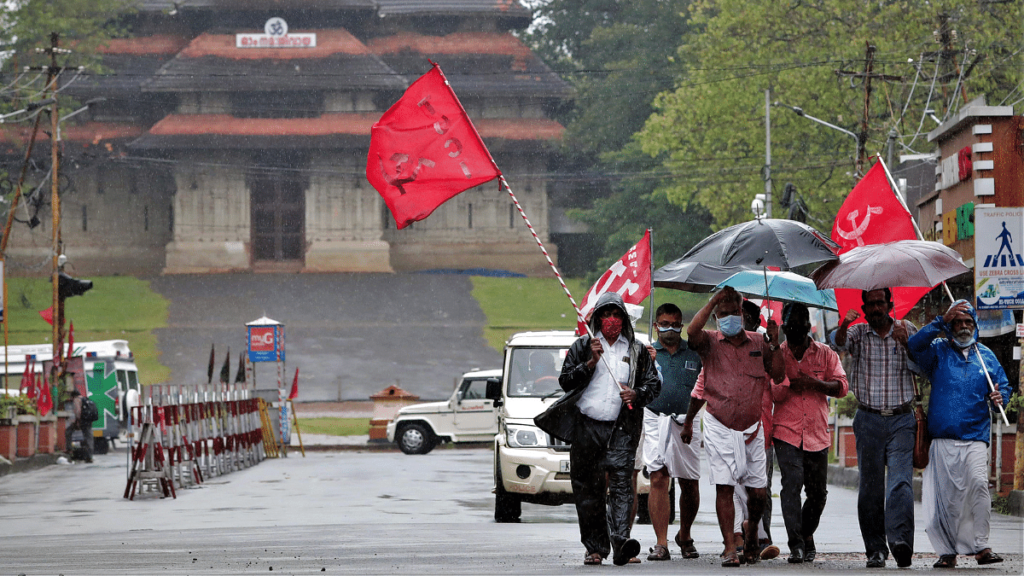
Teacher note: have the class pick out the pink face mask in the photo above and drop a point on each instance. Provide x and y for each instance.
(611, 327)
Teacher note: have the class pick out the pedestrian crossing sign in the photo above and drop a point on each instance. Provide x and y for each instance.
(999, 258)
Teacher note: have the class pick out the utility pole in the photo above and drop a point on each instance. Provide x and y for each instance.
(867, 75)
(767, 153)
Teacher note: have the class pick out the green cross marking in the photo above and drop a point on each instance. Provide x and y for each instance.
(102, 386)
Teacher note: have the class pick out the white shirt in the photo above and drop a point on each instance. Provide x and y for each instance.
(601, 400)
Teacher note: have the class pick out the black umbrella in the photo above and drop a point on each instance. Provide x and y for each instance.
(764, 242)
(692, 276)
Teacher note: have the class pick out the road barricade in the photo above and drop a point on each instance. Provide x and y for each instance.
(183, 435)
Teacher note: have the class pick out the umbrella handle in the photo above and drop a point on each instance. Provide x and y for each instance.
(766, 295)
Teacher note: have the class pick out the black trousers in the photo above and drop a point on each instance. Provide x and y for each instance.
(807, 470)
(604, 509)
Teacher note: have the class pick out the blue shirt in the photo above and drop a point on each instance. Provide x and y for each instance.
(679, 373)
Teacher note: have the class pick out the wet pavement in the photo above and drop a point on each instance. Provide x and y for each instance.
(351, 335)
(365, 513)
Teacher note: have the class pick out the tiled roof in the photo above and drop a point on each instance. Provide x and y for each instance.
(183, 131)
(88, 133)
(338, 62)
(144, 45)
(165, 6)
(476, 63)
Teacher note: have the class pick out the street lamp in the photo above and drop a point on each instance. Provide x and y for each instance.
(856, 139)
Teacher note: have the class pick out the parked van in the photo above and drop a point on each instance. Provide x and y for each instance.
(109, 372)
(529, 465)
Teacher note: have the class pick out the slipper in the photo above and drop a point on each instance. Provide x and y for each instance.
(592, 559)
(686, 547)
(634, 560)
(659, 552)
(732, 560)
(988, 557)
(629, 549)
(946, 561)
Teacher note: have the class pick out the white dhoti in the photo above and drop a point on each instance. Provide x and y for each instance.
(955, 499)
(735, 457)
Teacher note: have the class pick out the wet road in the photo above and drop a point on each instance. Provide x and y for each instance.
(351, 335)
(365, 513)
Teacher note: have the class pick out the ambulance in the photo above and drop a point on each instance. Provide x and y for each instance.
(106, 369)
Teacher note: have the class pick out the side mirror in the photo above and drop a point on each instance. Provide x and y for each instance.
(494, 391)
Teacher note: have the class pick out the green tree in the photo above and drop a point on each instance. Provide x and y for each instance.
(709, 130)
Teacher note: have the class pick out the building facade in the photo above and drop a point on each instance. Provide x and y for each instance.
(233, 136)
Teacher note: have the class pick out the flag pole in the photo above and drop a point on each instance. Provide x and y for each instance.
(650, 323)
(558, 275)
(295, 421)
(949, 293)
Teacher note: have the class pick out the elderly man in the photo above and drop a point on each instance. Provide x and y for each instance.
(800, 431)
(955, 496)
(881, 379)
(608, 380)
(735, 363)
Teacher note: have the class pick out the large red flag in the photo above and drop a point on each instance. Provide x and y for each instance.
(424, 150)
(295, 386)
(629, 276)
(872, 214)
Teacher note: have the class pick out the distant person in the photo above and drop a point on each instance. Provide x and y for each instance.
(955, 498)
(735, 363)
(800, 428)
(543, 377)
(608, 380)
(881, 379)
(664, 453)
(78, 423)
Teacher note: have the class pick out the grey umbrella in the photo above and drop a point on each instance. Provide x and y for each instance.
(900, 263)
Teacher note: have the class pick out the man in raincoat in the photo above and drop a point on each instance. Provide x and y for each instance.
(608, 380)
(955, 497)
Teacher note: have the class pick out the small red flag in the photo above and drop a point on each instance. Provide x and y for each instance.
(31, 391)
(295, 386)
(71, 339)
(45, 399)
(424, 150)
(47, 315)
(26, 378)
(629, 276)
(872, 214)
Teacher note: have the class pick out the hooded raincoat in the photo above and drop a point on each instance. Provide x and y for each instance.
(958, 405)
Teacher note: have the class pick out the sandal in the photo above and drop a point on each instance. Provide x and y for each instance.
(987, 556)
(946, 561)
(731, 560)
(593, 559)
(659, 552)
(686, 547)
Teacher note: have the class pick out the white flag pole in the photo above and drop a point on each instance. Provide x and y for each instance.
(579, 315)
(949, 293)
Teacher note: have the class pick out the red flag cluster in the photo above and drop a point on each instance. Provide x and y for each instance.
(629, 276)
(424, 150)
(35, 388)
(872, 214)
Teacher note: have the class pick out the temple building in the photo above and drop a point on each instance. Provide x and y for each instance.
(232, 136)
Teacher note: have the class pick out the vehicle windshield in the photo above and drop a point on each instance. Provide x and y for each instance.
(533, 372)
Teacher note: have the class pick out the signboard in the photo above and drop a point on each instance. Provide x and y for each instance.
(265, 342)
(998, 259)
(1020, 330)
(275, 35)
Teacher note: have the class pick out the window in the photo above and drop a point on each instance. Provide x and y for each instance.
(298, 104)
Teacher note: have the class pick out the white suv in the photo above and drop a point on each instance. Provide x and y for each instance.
(468, 416)
(529, 465)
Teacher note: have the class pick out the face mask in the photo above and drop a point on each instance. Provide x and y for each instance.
(669, 329)
(730, 325)
(611, 327)
(964, 340)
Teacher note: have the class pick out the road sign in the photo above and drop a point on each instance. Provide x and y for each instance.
(998, 258)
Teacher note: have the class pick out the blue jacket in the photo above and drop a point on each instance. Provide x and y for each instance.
(958, 405)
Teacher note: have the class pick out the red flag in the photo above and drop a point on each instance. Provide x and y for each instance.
(71, 339)
(295, 386)
(31, 391)
(45, 399)
(26, 378)
(424, 150)
(629, 276)
(47, 315)
(872, 214)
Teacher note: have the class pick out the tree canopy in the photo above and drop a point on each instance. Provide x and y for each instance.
(709, 130)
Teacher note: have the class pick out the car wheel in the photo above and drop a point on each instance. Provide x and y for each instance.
(508, 508)
(415, 439)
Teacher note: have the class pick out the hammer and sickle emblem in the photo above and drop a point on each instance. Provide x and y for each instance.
(858, 229)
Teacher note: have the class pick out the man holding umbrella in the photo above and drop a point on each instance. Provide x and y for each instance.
(735, 364)
(881, 379)
(956, 501)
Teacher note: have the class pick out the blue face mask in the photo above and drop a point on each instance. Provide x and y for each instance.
(730, 325)
(669, 329)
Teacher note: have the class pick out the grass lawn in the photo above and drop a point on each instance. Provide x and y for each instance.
(117, 308)
(335, 426)
(518, 304)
